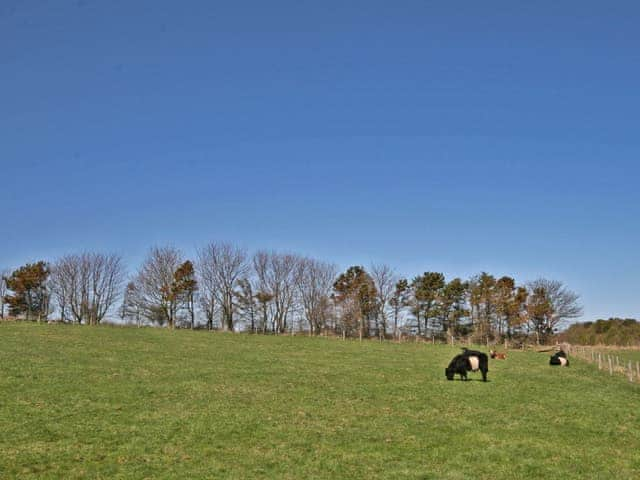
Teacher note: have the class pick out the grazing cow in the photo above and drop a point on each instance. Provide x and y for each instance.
(497, 355)
(559, 358)
(468, 361)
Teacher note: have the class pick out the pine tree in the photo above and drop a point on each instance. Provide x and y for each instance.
(30, 295)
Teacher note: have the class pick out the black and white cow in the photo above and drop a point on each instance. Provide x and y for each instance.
(468, 361)
(559, 358)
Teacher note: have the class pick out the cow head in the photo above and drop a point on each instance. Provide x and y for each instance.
(449, 372)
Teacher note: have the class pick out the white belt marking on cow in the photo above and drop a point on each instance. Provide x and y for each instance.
(475, 363)
(563, 362)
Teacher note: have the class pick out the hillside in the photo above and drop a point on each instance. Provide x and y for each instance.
(104, 402)
(615, 331)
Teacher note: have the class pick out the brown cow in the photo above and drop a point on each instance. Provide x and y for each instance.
(497, 355)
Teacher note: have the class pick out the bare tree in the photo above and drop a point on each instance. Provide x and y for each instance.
(208, 293)
(247, 303)
(277, 275)
(4, 274)
(60, 288)
(350, 318)
(384, 280)
(155, 285)
(87, 285)
(70, 286)
(107, 277)
(551, 304)
(220, 267)
(130, 311)
(315, 282)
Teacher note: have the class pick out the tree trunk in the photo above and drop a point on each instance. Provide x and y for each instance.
(192, 311)
(28, 295)
(395, 322)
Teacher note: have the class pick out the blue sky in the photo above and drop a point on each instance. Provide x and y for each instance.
(428, 135)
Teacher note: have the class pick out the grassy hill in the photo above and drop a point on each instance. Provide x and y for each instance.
(80, 402)
(615, 331)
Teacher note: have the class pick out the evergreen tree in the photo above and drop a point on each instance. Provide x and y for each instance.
(356, 294)
(184, 288)
(427, 290)
(453, 306)
(399, 300)
(30, 294)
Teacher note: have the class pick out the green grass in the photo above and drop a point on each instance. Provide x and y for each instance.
(82, 402)
(624, 354)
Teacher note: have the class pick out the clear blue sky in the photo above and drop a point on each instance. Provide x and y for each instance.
(450, 136)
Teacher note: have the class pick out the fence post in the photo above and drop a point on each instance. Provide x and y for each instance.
(630, 371)
(610, 365)
(599, 361)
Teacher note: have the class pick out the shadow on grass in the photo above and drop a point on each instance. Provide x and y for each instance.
(469, 380)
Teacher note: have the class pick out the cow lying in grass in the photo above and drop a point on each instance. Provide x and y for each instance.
(468, 361)
(559, 358)
(497, 355)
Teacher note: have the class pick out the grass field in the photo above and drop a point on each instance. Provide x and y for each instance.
(624, 354)
(82, 402)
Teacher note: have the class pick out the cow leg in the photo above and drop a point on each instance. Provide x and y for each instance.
(484, 368)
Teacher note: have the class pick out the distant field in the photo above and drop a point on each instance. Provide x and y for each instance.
(624, 354)
(82, 402)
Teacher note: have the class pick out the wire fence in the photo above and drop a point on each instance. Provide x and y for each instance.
(610, 362)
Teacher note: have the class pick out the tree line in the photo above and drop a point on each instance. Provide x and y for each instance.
(614, 331)
(225, 288)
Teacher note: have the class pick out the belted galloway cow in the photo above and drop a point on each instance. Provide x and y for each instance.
(559, 358)
(468, 361)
